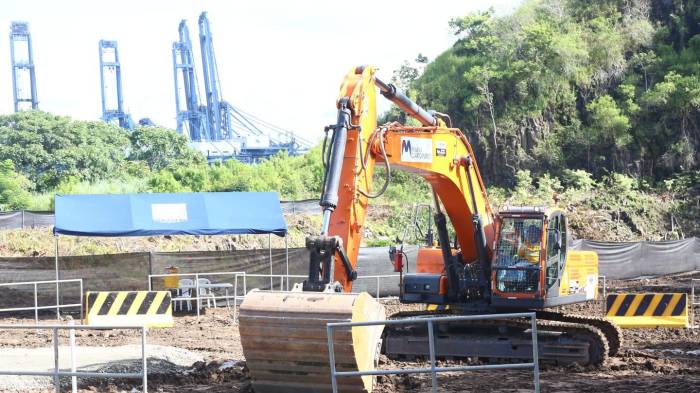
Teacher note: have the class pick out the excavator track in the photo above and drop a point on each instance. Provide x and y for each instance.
(561, 341)
(612, 332)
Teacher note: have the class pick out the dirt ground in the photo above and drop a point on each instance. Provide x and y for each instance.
(652, 360)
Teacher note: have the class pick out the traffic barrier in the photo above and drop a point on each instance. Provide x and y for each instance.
(648, 310)
(129, 308)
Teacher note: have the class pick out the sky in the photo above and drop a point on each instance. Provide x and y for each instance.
(282, 61)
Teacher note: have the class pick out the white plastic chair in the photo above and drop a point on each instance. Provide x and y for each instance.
(206, 291)
(184, 293)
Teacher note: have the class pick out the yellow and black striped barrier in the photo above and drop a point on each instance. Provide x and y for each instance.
(648, 310)
(129, 308)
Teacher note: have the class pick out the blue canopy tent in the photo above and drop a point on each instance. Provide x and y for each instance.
(216, 213)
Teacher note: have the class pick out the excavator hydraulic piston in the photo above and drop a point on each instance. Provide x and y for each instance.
(329, 197)
(391, 93)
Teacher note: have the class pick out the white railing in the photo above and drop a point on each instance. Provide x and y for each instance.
(285, 279)
(36, 306)
(279, 282)
(379, 286)
(283, 283)
(433, 369)
(56, 373)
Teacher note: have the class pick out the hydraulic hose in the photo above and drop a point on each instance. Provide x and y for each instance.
(363, 160)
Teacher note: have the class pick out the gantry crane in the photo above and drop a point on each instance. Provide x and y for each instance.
(23, 74)
(111, 86)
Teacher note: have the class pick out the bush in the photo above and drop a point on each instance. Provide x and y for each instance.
(13, 188)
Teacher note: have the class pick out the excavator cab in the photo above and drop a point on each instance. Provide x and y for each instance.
(532, 266)
(518, 253)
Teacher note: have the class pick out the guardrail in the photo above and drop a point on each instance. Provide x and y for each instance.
(36, 306)
(56, 373)
(433, 370)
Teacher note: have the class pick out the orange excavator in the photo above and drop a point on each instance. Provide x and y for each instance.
(515, 260)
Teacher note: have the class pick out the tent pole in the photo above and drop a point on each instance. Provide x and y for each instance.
(286, 256)
(58, 301)
(269, 247)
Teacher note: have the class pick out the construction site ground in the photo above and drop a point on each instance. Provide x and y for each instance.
(652, 360)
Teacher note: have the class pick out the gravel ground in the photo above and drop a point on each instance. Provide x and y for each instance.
(652, 360)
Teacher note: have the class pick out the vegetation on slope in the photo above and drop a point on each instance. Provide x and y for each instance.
(605, 86)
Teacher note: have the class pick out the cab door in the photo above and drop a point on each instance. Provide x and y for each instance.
(555, 253)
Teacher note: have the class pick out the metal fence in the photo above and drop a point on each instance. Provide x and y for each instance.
(56, 373)
(36, 306)
(433, 369)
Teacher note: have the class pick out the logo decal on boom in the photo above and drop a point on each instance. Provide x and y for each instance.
(416, 150)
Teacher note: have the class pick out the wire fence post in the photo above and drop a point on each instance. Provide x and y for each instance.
(196, 286)
(56, 381)
(602, 302)
(58, 291)
(331, 358)
(692, 302)
(36, 305)
(286, 256)
(73, 379)
(82, 312)
(144, 359)
(431, 347)
(269, 247)
(235, 298)
(535, 353)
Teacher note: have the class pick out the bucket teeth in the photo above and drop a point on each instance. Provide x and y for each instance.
(284, 340)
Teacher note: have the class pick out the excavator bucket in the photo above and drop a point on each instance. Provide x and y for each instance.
(284, 340)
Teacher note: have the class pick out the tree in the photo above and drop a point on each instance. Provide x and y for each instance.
(161, 147)
(13, 188)
(46, 148)
(607, 86)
